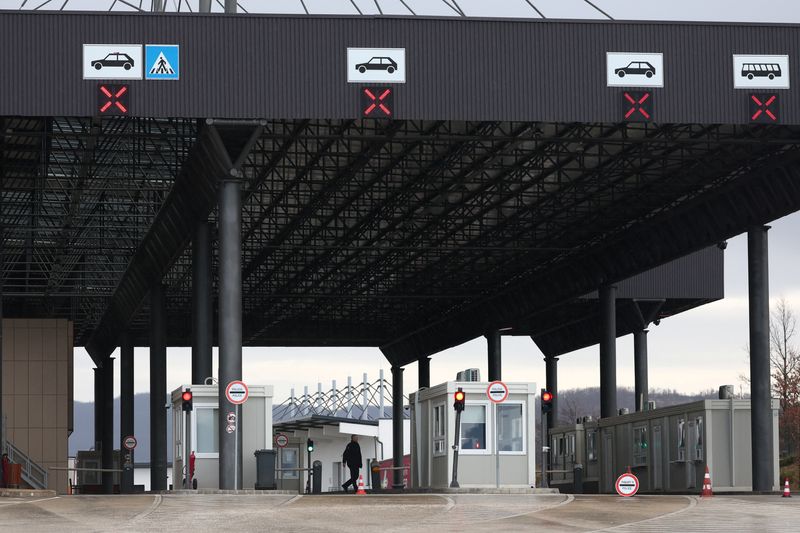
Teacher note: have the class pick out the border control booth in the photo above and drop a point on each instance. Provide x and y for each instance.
(494, 438)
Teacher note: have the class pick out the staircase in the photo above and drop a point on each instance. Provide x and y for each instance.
(32, 474)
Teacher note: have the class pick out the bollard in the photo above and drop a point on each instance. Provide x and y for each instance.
(577, 479)
(316, 483)
(375, 475)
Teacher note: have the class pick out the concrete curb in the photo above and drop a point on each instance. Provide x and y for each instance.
(468, 490)
(26, 493)
(248, 492)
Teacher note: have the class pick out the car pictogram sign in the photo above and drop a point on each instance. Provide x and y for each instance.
(637, 106)
(377, 102)
(113, 99)
(764, 108)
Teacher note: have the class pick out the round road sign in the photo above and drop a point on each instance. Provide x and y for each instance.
(237, 392)
(497, 391)
(129, 442)
(627, 485)
(281, 440)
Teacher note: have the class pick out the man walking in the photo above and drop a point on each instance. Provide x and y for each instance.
(352, 458)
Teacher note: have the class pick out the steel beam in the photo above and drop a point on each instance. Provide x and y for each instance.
(761, 398)
(126, 409)
(494, 355)
(608, 351)
(424, 371)
(230, 329)
(158, 389)
(551, 377)
(640, 368)
(202, 311)
(397, 426)
(108, 425)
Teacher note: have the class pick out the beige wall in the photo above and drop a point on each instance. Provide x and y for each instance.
(37, 391)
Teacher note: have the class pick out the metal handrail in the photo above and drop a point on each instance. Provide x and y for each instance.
(33, 474)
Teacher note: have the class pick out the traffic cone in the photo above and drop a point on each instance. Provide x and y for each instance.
(786, 492)
(707, 492)
(361, 490)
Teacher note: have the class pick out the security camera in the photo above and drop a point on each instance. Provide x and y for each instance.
(722, 245)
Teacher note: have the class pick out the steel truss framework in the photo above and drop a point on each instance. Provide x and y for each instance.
(408, 235)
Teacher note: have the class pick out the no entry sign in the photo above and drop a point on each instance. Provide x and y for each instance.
(237, 392)
(627, 485)
(281, 440)
(497, 391)
(129, 442)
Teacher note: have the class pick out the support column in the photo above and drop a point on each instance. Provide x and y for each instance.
(230, 6)
(202, 312)
(424, 369)
(494, 347)
(640, 368)
(98, 409)
(397, 426)
(204, 6)
(551, 375)
(608, 351)
(761, 410)
(230, 329)
(126, 418)
(107, 455)
(158, 389)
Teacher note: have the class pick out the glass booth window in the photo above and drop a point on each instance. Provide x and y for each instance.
(439, 428)
(571, 444)
(640, 445)
(289, 460)
(509, 418)
(591, 446)
(473, 427)
(207, 430)
(681, 439)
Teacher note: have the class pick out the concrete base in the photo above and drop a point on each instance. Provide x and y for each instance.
(468, 490)
(248, 492)
(27, 493)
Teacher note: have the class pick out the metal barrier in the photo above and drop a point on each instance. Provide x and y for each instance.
(32, 474)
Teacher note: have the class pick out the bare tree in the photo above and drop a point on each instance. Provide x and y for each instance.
(784, 355)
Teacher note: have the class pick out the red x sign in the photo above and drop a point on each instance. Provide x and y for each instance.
(636, 106)
(377, 101)
(764, 108)
(112, 99)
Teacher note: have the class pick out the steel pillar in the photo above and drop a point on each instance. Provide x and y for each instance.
(230, 329)
(424, 369)
(98, 408)
(608, 351)
(494, 347)
(551, 375)
(126, 418)
(2, 416)
(107, 455)
(202, 312)
(158, 389)
(230, 6)
(397, 426)
(640, 368)
(760, 394)
(205, 6)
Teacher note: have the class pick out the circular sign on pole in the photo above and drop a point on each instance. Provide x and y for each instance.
(497, 391)
(237, 392)
(627, 485)
(129, 442)
(281, 440)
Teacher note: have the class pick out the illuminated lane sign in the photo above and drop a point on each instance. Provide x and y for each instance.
(377, 102)
(113, 99)
(764, 108)
(637, 106)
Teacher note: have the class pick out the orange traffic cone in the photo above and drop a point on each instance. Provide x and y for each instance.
(786, 492)
(707, 492)
(361, 490)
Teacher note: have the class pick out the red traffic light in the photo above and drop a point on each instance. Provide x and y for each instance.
(459, 396)
(547, 396)
(187, 396)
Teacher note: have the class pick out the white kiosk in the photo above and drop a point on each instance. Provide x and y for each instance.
(496, 445)
(203, 426)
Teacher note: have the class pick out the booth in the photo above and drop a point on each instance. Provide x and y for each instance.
(201, 426)
(496, 442)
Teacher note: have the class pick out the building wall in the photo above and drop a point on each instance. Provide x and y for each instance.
(37, 391)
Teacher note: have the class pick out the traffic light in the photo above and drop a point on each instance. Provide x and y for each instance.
(459, 397)
(547, 401)
(310, 445)
(186, 397)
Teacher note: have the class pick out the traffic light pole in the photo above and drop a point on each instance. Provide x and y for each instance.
(454, 482)
(545, 449)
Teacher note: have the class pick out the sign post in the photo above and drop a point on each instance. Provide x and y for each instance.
(497, 392)
(236, 392)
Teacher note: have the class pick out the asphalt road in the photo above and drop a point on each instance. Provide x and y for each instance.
(349, 513)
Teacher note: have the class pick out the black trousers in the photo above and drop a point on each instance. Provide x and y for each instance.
(353, 476)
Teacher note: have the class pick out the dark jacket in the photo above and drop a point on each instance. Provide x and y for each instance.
(352, 455)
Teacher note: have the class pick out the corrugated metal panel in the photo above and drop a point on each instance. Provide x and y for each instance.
(458, 69)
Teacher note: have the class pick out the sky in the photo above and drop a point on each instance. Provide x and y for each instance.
(697, 350)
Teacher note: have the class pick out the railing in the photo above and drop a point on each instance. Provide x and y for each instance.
(32, 474)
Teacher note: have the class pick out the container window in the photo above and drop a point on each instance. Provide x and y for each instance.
(510, 427)
(207, 430)
(289, 459)
(473, 427)
(591, 445)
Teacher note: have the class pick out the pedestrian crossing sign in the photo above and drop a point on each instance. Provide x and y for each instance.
(162, 62)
